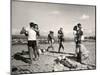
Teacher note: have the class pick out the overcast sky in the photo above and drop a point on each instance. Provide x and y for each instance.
(50, 16)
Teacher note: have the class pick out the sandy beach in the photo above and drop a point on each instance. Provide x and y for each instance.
(46, 63)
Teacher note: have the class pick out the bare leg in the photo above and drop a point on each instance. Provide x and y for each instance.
(48, 48)
(59, 47)
(50, 45)
(79, 53)
(62, 46)
(37, 47)
(30, 53)
(35, 52)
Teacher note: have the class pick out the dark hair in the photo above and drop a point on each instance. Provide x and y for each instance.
(78, 24)
(61, 28)
(31, 24)
(75, 28)
(51, 32)
(36, 25)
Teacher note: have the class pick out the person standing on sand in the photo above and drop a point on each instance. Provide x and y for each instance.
(78, 33)
(32, 45)
(60, 39)
(37, 30)
(37, 36)
(50, 40)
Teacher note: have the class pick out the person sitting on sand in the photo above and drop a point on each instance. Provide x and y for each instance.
(50, 40)
(60, 39)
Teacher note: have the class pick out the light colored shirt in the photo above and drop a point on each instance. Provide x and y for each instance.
(31, 34)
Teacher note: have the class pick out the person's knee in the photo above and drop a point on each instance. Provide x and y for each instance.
(30, 48)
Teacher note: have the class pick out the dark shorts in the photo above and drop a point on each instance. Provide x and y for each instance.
(32, 43)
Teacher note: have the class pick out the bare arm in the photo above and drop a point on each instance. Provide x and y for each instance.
(23, 31)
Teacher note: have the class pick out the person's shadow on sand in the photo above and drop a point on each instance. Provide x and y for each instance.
(19, 56)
